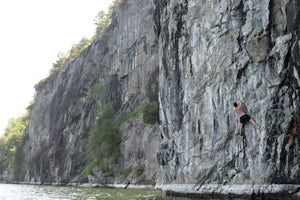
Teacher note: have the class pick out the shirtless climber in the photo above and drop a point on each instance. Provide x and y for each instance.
(244, 118)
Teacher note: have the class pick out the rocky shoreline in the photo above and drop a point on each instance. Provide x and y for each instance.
(273, 191)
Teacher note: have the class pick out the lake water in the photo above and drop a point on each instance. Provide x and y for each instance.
(36, 192)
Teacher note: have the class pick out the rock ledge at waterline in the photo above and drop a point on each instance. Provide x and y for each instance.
(215, 190)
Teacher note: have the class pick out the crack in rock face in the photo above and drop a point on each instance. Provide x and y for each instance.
(247, 50)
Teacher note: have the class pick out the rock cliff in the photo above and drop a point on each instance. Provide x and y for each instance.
(211, 54)
(200, 57)
(124, 60)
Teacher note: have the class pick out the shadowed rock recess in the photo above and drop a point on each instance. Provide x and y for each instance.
(198, 57)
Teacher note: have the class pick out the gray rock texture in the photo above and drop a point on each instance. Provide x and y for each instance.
(210, 55)
(200, 57)
(123, 59)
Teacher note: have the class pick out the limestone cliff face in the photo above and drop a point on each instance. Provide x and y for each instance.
(210, 55)
(124, 59)
(200, 57)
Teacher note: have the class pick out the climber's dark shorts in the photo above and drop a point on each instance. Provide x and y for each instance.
(244, 119)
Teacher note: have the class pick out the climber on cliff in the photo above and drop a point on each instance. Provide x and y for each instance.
(244, 118)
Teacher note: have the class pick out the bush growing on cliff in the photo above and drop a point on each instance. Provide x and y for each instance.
(150, 113)
(132, 115)
(98, 93)
(104, 140)
(79, 47)
(102, 20)
(59, 64)
(75, 50)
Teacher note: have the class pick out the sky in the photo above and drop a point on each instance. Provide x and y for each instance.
(33, 33)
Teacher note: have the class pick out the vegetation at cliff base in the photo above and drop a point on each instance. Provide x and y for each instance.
(12, 141)
(126, 171)
(104, 140)
(139, 171)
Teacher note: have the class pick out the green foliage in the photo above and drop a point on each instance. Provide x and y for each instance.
(102, 21)
(88, 169)
(98, 93)
(12, 140)
(114, 9)
(59, 64)
(153, 96)
(107, 172)
(150, 113)
(104, 142)
(125, 172)
(75, 50)
(138, 172)
(104, 139)
(40, 84)
(62, 59)
(132, 115)
(79, 47)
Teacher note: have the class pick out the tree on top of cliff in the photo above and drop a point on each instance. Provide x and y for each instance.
(102, 21)
(114, 9)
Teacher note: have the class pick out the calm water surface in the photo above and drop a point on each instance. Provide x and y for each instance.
(35, 192)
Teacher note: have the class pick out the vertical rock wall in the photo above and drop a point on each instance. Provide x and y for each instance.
(123, 59)
(210, 55)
